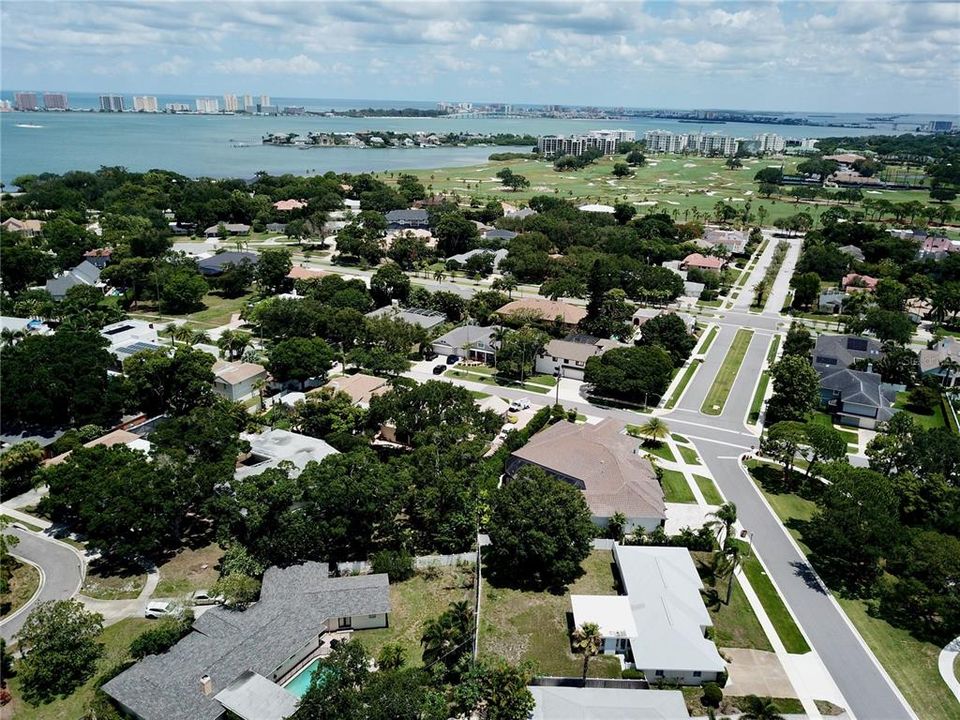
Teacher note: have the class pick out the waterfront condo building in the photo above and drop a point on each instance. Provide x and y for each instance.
(145, 103)
(770, 143)
(25, 101)
(230, 103)
(208, 106)
(111, 103)
(606, 141)
(662, 141)
(54, 101)
(264, 101)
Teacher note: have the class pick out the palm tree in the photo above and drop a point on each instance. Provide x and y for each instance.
(508, 283)
(587, 639)
(950, 367)
(724, 518)
(196, 337)
(438, 276)
(759, 290)
(9, 338)
(725, 565)
(756, 708)
(655, 430)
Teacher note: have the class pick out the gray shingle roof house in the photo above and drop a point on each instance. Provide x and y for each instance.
(215, 264)
(86, 273)
(498, 256)
(831, 301)
(857, 398)
(660, 621)
(602, 462)
(852, 251)
(415, 316)
(231, 228)
(833, 352)
(217, 665)
(414, 217)
(470, 341)
(498, 234)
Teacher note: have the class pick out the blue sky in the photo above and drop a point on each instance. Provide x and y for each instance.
(817, 56)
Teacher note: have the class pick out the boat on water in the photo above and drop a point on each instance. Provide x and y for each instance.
(28, 125)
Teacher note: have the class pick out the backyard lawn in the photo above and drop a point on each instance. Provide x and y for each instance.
(717, 395)
(911, 663)
(116, 641)
(928, 422)
(415, 601)
(521, 625)
(676, 488)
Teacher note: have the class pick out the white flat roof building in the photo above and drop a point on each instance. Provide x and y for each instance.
(578, 703)
(271, 447)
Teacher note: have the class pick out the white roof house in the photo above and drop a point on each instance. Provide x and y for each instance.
(578, 703)
(667, 636)
(596, 208)
(271, 447)
(130, 336)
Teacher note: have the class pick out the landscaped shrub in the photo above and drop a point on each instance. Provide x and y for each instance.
(397, 564)
(632, 674)
(712, 695)
(158, 639)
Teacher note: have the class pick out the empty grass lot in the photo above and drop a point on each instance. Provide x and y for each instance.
(911, 663)
(682, 385)
(522, 625)
(717, 396)
(100, 583)
(676, 489)
(709, 490)
(190, 569)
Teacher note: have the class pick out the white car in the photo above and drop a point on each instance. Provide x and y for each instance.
(158, 609)
(518, 405)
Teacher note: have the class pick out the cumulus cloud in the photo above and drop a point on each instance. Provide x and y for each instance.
(296, 65)
(176, 65)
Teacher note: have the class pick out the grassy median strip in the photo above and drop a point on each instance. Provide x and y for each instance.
(772, 352)
(717, 397)
(709, 490)
(776, 609)
(676, 489)
(708, 340)
(758, 398)
(682, 385)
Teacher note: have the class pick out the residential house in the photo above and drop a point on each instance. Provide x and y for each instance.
(497, 234)
(215, 264)
(99, 257)
(568, 357)
(411, 218)
(590, 703)
(352, 205)
(423, 317)
(277, 227)
(854, 282)
(498, 256)
(299, 272)
(361, 388)
(938, 361)
(709, 263)
(130, 336)
(735, 241)
(852, 251)
(250, 664)
(519, 214)
(858, 398)
(660, 622)
(271, 447)
(238, 381)
(936, 248)
(831, 301)
(233, 229)
(596, 208)
(918, 309)
(85, 273)
(605, 464)
(27, 228)
(116, 437)
(549, 311)
(468, 341)
(643, 314)
(288, 205)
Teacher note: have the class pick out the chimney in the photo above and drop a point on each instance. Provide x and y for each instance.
(206, 685)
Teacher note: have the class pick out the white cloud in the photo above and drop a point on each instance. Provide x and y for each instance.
(176, 65)
(296, 65)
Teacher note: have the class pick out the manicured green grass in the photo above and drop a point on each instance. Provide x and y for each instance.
(708, 340)
(689, 455)
(415, 601)
(772, 351)
(216, 311)
(29, 526)
(679, 438)
(774, 606)
(487, 379)
(822, 418)
(477, 395)
(928, 422)
(734, 625)
(911, 663)
(757, 403)
(793, 510)
(116, 641)
(661, 451)
(709, 490)
(676, 489)
(521, 625)
(950, 417)
(717, 396)
(682, 385)
(23, 583)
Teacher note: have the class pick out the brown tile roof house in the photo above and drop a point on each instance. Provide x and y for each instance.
(116, 437)
(291, 204)
(298, 272)
(361, 388)
(237, 380)
(548, 310)
(27, 227)
(604, 463)
(854, 282)
(702, 262)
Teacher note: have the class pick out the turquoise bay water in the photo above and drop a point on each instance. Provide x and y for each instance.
(205, 145)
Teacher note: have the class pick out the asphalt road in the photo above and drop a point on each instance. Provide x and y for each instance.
(61, 574)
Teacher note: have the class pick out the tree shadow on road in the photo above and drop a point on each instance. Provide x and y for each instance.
(806, 573)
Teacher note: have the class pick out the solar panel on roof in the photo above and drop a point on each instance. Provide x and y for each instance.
(820, 360)
(119, 329)
(857, 344)
(137, 347)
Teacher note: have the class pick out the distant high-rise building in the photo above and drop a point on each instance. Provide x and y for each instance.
(25, 101)
(770, 143)
(111, 103)
(264, 100)
(145, 103)
(208, 106)
(5, 106)
(662, 141)
(176, 108)
(230, 103)
(55, 101)
(248, 105)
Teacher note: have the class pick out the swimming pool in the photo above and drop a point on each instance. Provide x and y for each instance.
(300, 683)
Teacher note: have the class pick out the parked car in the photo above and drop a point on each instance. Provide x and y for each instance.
(518, 405)
(438, 369)
(453, 359)
(205, 597)
(157, 609)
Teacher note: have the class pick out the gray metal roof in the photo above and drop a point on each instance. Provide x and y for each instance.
(214, 264)
(415, 316)
(413, 215)
(471, 336)
(253, 697)
(577, 703)
(295, 603)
